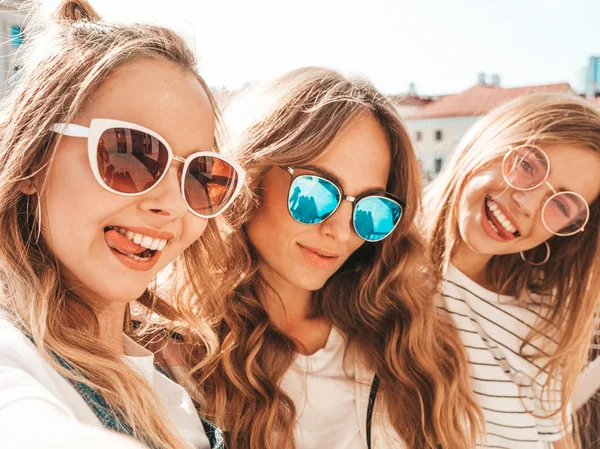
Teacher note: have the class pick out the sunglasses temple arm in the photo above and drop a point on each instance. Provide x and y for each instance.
(71, 130)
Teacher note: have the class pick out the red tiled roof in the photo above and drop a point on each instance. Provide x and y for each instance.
(480, 99)
(409, 100)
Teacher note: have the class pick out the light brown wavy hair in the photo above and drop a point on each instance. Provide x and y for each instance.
(64, 61)
(379, 299)
(571, 277)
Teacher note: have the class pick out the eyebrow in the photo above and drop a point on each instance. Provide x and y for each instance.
(561, 189)
(326, 173)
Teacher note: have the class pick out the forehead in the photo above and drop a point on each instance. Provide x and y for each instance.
(574, 168)
(360, 156)
(158, 95)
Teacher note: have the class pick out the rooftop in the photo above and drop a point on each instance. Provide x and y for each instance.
(480, 99)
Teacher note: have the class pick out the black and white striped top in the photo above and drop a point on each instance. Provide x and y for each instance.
(492, 328)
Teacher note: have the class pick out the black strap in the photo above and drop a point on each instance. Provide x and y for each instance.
(371, 406)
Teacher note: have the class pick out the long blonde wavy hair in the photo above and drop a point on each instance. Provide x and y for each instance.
(64, 62)
(571, 277)
(379, 299)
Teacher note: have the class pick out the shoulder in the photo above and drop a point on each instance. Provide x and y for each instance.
(24, 374)
(18, 354)
(13, 342)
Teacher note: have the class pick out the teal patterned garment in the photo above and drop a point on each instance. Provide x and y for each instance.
(112, 420)
(214, 434)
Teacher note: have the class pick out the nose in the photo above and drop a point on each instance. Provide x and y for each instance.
(338, 226)
(166, 199)
(529, 201)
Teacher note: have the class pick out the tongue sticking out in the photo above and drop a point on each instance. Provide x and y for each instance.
(122, 243)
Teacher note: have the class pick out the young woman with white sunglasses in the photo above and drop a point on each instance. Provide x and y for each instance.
(514, 234)
(108, 173)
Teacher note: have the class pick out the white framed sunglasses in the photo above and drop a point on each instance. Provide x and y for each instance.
(128, 159)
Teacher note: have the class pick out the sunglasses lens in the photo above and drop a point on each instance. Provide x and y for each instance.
(565, 213)
(312, 199)
(130, 161)
(209, 185)
(525, 167)
(375, 217)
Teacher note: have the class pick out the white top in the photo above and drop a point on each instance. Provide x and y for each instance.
(25, 375)
(492, 328)
(322, 386)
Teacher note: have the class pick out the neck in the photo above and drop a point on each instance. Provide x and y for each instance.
(472, 264)
(285, 303)
(289, 308)
(111, 326)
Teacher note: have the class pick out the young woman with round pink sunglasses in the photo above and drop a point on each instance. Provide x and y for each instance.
(514, 237)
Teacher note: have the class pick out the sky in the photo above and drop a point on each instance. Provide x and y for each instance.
(440, 45)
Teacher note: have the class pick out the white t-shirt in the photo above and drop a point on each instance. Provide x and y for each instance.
(492, 328)
(25, 375)
(322, 387)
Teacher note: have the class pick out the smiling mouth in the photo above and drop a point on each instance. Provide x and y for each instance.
(138, 247)
(498, 221)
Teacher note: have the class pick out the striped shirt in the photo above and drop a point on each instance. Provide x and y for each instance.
(507, 386)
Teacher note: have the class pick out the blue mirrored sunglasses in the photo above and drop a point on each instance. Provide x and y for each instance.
(313, 199)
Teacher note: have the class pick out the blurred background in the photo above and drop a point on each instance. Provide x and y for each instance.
(443, 63)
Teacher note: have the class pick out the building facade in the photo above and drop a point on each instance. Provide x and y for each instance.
(437, 127)
(12, 18)
(592, 77)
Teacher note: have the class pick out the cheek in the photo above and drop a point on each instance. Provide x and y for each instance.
(270, 223)
(538, 233)
(272, 220)
(74, 206)
(193, 228)
(354, 241)
(471, 199)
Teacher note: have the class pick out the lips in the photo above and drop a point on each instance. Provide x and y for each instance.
(498, 221)
(319, 257)
(136, 248)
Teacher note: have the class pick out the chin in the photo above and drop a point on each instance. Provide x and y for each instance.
(124, 294)
(311, 284)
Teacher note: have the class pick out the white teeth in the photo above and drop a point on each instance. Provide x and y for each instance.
(492, 225)
(143, 240)
(504, 221)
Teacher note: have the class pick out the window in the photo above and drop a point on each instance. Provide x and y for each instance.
(419, 136)
(439, 162)
(121, 142)
(438, 135)
(147, 144)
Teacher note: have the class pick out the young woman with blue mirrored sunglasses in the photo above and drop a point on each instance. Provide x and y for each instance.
(312, 199)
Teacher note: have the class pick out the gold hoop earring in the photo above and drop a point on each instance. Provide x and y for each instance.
(37, 217)
(537, 264)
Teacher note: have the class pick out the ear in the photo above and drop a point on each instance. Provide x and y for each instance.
(28, 187)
